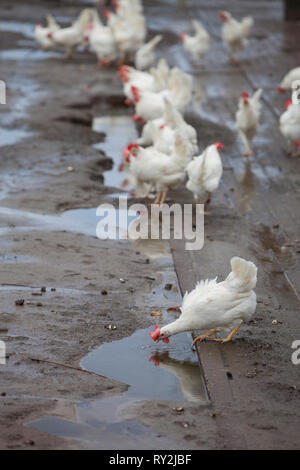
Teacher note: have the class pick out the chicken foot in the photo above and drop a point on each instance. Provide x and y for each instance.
(198, 202)
(248, 152)
(202, 337)
(228, 338)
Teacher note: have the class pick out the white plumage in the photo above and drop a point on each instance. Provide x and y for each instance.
(215, 307)
(234, 32)
(287, 81)
(247, 118)
(204, 172)
(145, 55)
(289, 124)
(198, 45)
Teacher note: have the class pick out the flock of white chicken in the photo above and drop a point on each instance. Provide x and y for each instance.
(167, 151)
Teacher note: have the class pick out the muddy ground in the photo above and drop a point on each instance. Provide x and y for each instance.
(51, 166)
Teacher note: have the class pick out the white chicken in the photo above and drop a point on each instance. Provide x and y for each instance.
(73, 36)
(102, 41)
(129, 30)
(204, 172)
(161, 132)
(43, 34)
(247, 118)
(145, 55)
(289, 125)
(197, 45)
(216, 307)
(234, 33)
(140, 80)
(287, 81)
(151, 105)
(158, 169)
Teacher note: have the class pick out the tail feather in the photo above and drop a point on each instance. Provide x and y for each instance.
(256, 96)
(199, 30)
(243, 276)
(247, 24)
(150, 46)
(51, 23)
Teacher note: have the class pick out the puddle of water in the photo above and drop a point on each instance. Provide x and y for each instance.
(28, 54)
(120, 131)
(27, 29)
(83, 221)
(151, 371)
(7, 259)
(13, 136)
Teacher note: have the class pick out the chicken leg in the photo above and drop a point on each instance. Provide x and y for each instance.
(228, 338)
(198, 202)
(158, 198)
(163, 198)
(202, 337)
(248, 152)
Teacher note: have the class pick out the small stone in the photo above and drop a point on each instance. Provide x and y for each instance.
(29, 443)
(185, 425)
(122, 280)
(39, 304)
(178, 409)
(20, 302)
(70, 168)
(168, 286)
(274, 322)
(155, 313)
(104, 292)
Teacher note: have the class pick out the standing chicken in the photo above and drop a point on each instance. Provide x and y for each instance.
(72, 36)
(215, 307)
(247, 119)
(205, 172)
(145, 55)
(43, 35)
(289, 124)
(158, 169)
(102, 41)
(234, 33)
(197, 45)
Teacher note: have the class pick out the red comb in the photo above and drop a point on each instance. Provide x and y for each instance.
(155, 334)
(132, 145)
(245, 95)
(162, 126)
(219, 145)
